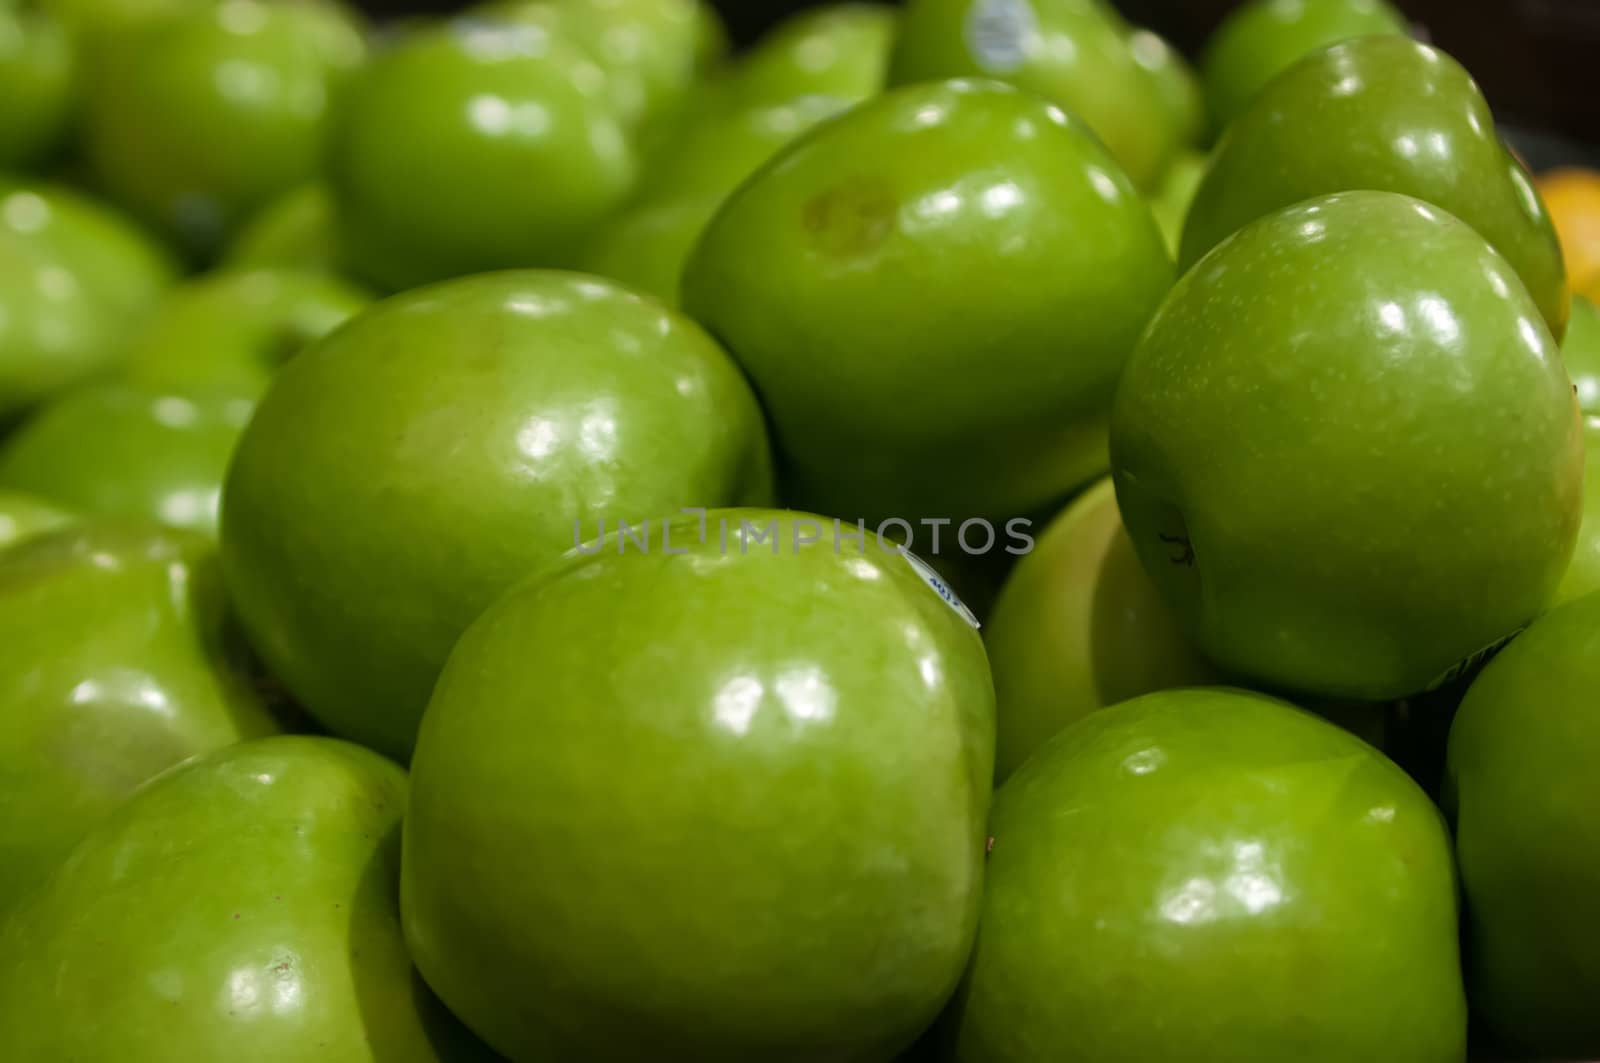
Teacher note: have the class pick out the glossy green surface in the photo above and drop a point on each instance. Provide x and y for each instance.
(1178, 83)
(24, 516)
(37, 82)
(1263, 38)
(450, 439)
(1522, 789)
(1214, 876)
(934, 295)
(197, 120)
(228, 332)
(296, 230)
(1172, 199)
(476, 145)
(1079, 626)
(1386, 114)
(242, 908)
(122, 450)
(1071, 52)
(1580, 351)
(107, 253)
(798, 743)
(839, 50)
(1374, 473)
(646, 246)
(54, 333)
(114, 666)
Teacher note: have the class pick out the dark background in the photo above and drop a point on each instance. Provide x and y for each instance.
(1538, 61)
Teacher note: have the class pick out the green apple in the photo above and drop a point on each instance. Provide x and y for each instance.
(101, 19)
(1217, 877)
(1178, 83)
(1521, 788)
(1074, 53)
(1263, 38)
(114, 666)
(1079, 626)
(228, 332)
(1373, 474)
(1580, 350)
(241, 907)
(840, 50)
(108, 254)
(196, 120)
(24, 516)
(1175, 195)
(1388, 114)
(296, 231)
(37, 82)
(646, 245)
(472, 146)
(717, 147)
(53, 331)
(120, 450)
(934, 295)
(448, 441)
(798, 735)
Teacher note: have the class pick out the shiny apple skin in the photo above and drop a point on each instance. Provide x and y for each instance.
(24, 516)
(450, 440)
(1384, 114)
(114, 666)
(475, 145)
(780, 859)
(119, 450)
(1213, 876)
(294, 231)
(1347, 451)
(241, 907)
(646, 246)
(934, 295)
(1079, 626)
(1580, 352)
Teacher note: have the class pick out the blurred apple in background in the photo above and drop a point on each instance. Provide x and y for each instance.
(241, 907)
(1522, 790)
(1171, 201)
(23, 516)
(1391, 115)
(38, 74)
(772, 757)
(840, 50)
(646, 246)
(196, 120)
(1372, 476)
(294, 231)
(1213, 875)
(228, 332)
(448, 441)
(114, 666)
(122, 450)
(1263, 38)
(934, 295)
(1079, 626)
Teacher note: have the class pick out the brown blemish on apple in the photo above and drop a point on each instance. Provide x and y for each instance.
(851, 219)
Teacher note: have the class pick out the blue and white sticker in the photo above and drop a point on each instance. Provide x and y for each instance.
(999, 32)
(940, 587)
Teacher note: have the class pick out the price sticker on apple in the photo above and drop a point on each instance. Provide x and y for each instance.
(940, 587)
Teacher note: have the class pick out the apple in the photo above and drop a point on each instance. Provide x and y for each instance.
(1178, 83)
(1263, 38)
(108, 254)
(716, 147)
(53, 331)
(227, 332)
(296, 231)
(1580, 351)
(646, 245)
(1387, 114)
(448, 441)
(105, 18)
(24, 516)
(1213, 875)
(472, 146)
(114, 666)
(119, 450)
(839, 50)
(1172, 199)
(934, 295)
(797, 736)
(196, 120)
(1073, 53)
(241, 907)
(1347, 451)
(1521, 789)
(1079, 626)
(37, 81)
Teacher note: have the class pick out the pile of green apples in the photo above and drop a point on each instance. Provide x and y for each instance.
(950, 534)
